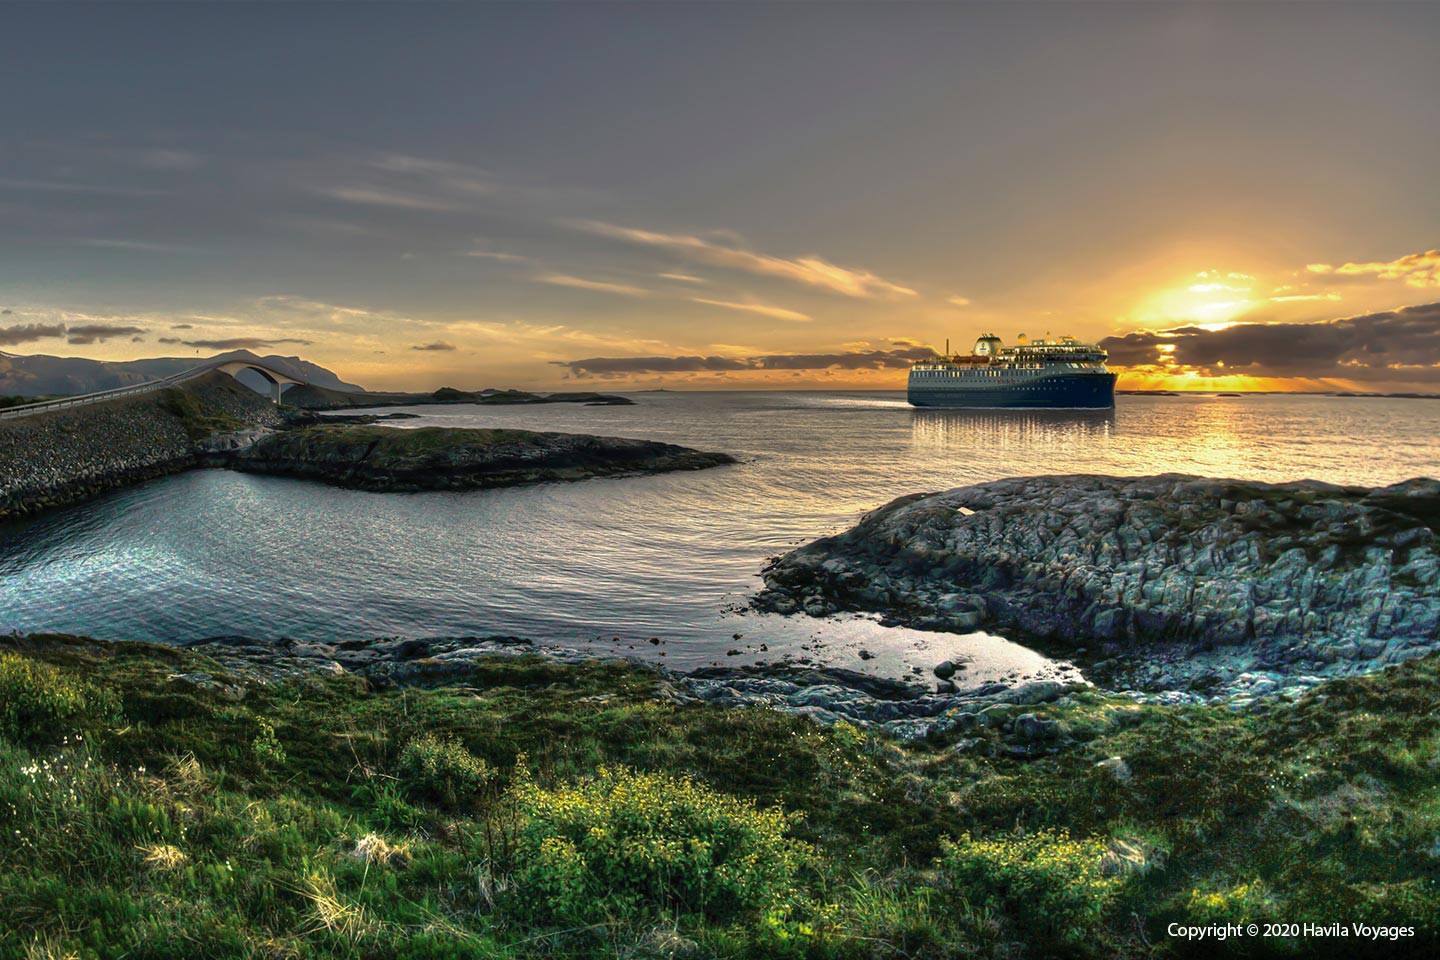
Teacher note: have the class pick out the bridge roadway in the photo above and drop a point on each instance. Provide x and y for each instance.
(278, 381)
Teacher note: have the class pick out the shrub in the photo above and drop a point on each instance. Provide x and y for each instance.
(441, 768)
(266, 746)
(1223, 904)
(633, 844)
(36, 699)
(1049, 884)
(390, 807)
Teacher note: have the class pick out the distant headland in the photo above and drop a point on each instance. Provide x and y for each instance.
(65, 450)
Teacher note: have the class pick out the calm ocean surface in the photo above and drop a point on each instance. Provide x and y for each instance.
(610, 564)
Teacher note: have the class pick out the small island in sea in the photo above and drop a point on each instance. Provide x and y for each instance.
(452, 458)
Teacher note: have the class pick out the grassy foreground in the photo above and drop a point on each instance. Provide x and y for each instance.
(155, 804)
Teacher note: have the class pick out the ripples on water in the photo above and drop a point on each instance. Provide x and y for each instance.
(214, 552)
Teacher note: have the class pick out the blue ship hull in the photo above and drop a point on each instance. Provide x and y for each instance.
(1076, 391)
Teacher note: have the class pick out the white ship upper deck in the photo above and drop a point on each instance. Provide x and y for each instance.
(990, 358)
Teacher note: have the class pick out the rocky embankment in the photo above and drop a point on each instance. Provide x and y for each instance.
(438, 458)
(56, 458)
(1180, 583)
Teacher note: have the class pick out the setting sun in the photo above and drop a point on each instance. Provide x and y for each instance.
(1210, 300)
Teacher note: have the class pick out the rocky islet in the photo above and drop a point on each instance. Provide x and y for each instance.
(441, 458)
(1177, 585)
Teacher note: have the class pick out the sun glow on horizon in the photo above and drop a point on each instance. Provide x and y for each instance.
(1210, 300)
(1195, 381)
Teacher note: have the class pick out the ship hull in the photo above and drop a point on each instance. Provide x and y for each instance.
(1083, 391)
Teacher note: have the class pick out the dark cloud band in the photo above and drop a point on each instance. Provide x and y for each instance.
(27, 332)
(1399, 344)
(853, 360)
(82, 334)
(243, 343)
(99, 332)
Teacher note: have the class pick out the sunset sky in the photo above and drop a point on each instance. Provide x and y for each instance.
(1232, 196)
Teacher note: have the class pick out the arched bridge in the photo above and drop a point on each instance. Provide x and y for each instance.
(278, 382)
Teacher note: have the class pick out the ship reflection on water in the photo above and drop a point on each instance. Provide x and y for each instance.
(941, 430)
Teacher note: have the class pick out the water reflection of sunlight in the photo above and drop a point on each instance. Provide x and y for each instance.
(888, 403)
(939, 430)
(1220, 439)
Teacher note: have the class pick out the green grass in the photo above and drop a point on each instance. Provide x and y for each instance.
(543, 810)
(403, 442)
(17, 401)
(198, 424)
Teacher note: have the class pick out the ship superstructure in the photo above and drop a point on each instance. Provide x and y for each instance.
(1057, 373)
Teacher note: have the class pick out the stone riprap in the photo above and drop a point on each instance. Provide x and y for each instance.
(1221, 587)
(67, 455)
(441, 458)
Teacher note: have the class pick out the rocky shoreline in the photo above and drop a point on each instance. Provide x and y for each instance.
(441, 458)
(826, 695)
(1200, 588)
(1017, 720)
(65, 456)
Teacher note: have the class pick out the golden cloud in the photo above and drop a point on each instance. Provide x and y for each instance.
(810, 270)
(601, 286)
(1414, 269)
(778, 313)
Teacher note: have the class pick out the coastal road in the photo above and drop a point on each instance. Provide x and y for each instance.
(278, 381)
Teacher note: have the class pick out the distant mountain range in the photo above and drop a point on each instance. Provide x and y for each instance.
(44, 376)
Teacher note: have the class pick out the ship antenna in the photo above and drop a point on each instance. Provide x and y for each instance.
(947, 346)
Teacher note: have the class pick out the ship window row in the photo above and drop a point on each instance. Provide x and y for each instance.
(957, 374)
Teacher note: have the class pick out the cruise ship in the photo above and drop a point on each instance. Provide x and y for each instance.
(1060, 373)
